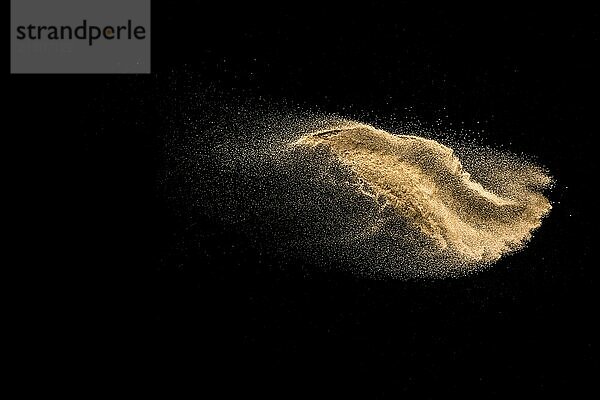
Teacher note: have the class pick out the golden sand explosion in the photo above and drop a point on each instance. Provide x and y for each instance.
(424, 182)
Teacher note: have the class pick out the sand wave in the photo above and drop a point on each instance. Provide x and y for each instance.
(424, 182)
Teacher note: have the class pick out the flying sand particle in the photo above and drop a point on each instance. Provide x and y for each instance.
(346, 196)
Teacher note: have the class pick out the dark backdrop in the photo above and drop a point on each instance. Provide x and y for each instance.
(119, 289)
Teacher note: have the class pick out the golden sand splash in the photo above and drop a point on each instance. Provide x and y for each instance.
(424, 182)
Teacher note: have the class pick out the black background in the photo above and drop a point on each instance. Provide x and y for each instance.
(120, 290)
